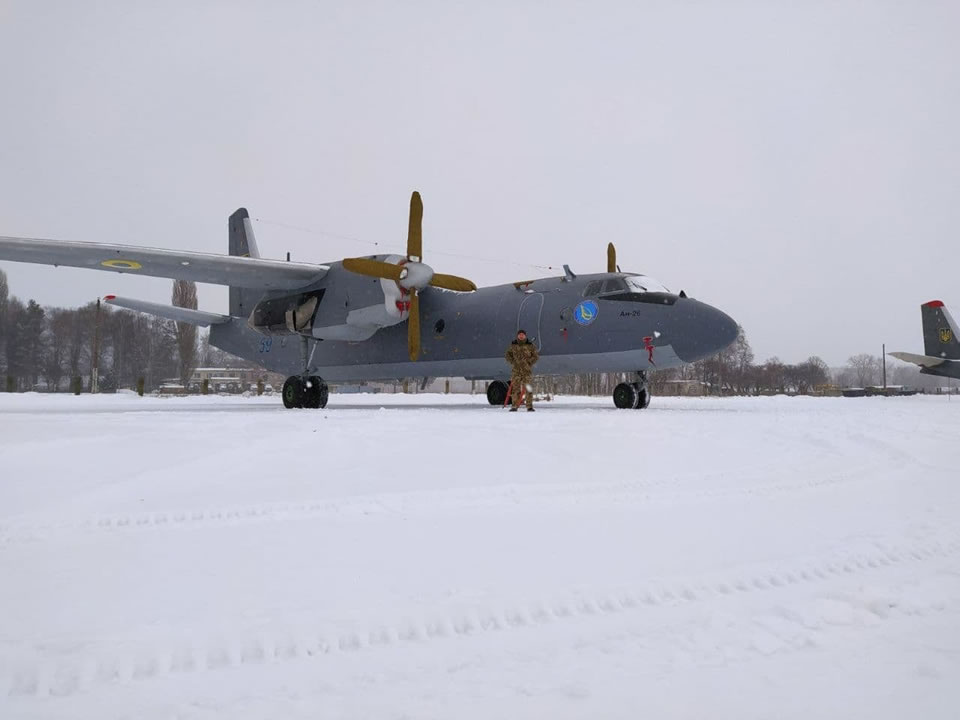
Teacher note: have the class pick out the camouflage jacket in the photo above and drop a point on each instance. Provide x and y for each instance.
(522, 357)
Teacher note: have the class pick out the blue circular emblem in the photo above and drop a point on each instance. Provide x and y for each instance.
(586, 312)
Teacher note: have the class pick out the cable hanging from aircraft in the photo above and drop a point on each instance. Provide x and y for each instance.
(351, 238)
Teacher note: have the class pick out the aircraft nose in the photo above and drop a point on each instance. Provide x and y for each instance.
(703, 330)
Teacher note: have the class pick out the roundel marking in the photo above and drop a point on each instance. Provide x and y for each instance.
(122, 264)
(586, 312)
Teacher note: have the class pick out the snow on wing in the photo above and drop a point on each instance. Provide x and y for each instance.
(156, 262)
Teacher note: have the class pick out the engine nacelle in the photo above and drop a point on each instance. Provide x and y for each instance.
(286, 314)
(349, 307)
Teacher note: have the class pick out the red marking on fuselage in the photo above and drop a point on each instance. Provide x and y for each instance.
(648, 346)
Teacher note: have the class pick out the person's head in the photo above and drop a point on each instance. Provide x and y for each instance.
(522, 335)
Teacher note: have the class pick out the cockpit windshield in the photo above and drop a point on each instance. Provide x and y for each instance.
(644, 283)
(624, 285)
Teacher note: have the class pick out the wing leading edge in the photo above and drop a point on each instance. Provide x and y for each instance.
(179, 314)
(179, 264)
(925, 361)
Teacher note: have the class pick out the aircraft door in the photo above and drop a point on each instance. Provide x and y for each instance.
(528, 318)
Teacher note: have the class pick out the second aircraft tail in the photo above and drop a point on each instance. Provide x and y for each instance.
(939, 331)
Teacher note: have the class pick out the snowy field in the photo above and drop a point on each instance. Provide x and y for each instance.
(432, 557)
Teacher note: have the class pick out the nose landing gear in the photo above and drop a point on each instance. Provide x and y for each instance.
(497, 393)
(632, 396)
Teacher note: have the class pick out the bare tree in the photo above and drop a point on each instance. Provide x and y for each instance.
(57, 347)
(865, 368)
(185, 296)
(4, 329)
(809, 374)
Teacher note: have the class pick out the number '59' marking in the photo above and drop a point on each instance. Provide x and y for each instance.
(266, 344)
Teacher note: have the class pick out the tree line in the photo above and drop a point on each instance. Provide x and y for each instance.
(54, 349)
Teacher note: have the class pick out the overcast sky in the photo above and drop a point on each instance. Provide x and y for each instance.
(796, 165)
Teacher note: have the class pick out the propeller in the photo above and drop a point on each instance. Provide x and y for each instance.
(411, 274)
(611, 258)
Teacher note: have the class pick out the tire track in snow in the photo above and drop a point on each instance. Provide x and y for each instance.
(505, 497)
(52, 679)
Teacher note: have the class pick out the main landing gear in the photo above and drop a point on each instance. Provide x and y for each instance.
(305, 392)
(632, 396)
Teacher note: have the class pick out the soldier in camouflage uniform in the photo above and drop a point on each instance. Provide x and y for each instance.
(522, 356)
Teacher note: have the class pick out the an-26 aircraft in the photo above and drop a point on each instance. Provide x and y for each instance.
(388, 317)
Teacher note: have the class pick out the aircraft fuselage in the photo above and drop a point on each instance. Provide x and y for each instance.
(466, 334)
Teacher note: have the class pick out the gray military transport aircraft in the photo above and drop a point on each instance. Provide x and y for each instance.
(344, 321)
(940, 343)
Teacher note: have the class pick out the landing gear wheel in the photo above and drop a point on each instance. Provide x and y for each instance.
(315, 393)
(625, 396)
(293, 392)
(643, 397)
(497, 393)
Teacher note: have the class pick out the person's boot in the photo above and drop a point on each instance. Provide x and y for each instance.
(513, 408)
(530, 409)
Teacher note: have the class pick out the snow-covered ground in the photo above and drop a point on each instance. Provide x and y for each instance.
(432, 557)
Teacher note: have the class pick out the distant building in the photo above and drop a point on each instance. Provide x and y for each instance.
(233, 380)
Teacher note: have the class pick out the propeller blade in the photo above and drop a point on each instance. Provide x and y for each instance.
(413, 327)
(611, 258)
(374, 268)
(452, 282)
(415, 229)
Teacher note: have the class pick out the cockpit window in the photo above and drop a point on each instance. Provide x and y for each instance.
(592, 288)
(645, 283)
(614, 285)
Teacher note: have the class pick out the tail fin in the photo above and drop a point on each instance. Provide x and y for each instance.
(242, 244)
(939, 331)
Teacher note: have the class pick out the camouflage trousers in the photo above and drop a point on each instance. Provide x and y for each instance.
(518, 385)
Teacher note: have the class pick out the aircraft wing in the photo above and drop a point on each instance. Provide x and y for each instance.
(180, 264)
(926, 361)
(185, 315)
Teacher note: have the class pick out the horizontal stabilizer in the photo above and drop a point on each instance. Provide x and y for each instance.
(922, 360)
(245, 272)
(170, 312)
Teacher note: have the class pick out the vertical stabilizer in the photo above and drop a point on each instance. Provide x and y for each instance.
(242, 244)
(939, 331)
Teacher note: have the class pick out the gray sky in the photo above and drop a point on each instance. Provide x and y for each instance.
(794, 164)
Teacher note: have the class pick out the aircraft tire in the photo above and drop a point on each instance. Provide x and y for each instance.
(497, 393)
(315, 393)
(293, 392)
(643, 398)
(625, 396)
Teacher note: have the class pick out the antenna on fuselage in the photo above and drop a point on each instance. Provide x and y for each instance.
(568, 275)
